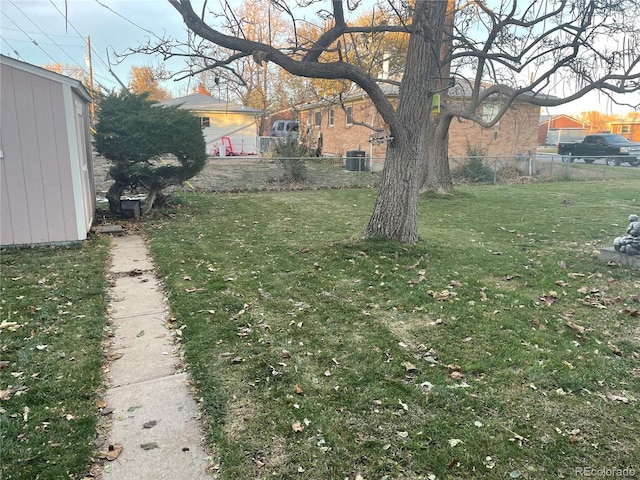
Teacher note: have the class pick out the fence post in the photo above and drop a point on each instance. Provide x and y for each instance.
(278, 172)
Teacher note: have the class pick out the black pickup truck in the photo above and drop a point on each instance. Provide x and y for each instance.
(613, 148)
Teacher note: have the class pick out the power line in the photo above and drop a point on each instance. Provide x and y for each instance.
(30, 38)
(47, 35)
(43, 43)
(12, 48)
(80, 34)
(108, 66)
(38, 33)
(126, 19)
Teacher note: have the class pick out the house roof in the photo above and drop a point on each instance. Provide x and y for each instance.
(547, 118)
(48, 74)
(205, 103)
(459, 90)
(624, 122)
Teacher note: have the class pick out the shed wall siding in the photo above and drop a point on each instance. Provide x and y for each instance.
(45, 123)
(39, 193)
(15, 212)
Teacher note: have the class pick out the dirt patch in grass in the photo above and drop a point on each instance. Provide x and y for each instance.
(239, 414)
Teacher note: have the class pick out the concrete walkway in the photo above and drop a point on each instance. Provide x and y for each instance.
(154, 417)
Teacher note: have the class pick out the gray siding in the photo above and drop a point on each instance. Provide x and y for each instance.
(41, 202)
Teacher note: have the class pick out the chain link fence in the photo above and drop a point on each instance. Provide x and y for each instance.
(256, 173)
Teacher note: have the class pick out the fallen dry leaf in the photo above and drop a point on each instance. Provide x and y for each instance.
(442, 295)
(614, 349)
(114, 356)
(577, 328)
(456, 375)
(616, 398)
(549, 299)
(101, 403)
(297, 427)
(112, 452)
(409, 367)
(630, 311)
(298, 390)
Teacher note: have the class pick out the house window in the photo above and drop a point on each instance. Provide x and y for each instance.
(204, 122)
(317, 118)
(625, 128)
(331, 116)
(349, 114)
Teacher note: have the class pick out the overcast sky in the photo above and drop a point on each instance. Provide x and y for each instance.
(36, 32)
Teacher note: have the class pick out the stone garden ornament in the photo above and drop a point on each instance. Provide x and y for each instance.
(629, 243)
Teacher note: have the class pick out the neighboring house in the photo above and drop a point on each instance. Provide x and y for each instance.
(219, 118)
(554, 129)
(47, 187)
(336, 127)
(629, 129)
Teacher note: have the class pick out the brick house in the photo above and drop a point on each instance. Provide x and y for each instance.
(339, 128)
(554, 129)
(630, 129)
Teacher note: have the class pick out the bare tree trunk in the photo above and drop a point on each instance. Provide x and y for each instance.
(395, 215)
(113, 195)
(150, 200)
(438, 177)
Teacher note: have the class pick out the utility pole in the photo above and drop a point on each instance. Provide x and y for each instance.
(93, 105)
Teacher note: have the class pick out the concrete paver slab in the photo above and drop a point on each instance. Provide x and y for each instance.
(170, 448)
(144, 386)
(136, 296)
(129, 253)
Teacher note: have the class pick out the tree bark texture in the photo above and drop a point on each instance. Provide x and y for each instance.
(395, 214)
(438, 175)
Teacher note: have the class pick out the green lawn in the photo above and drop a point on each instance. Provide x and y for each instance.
(52, 316)
(498, 347)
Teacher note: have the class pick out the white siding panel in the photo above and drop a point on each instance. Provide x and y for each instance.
(47, 189)
(15, 211)
(240, 128)
(8, 164)
(32, 167)
(64, 166)
(74, 162)
(49, 155)
(6, 227)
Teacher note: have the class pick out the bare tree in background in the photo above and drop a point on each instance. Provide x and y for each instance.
(495, 51)
(545, 53)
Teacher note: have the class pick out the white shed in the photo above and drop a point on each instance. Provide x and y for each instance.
(222, 119)
(47, 191)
